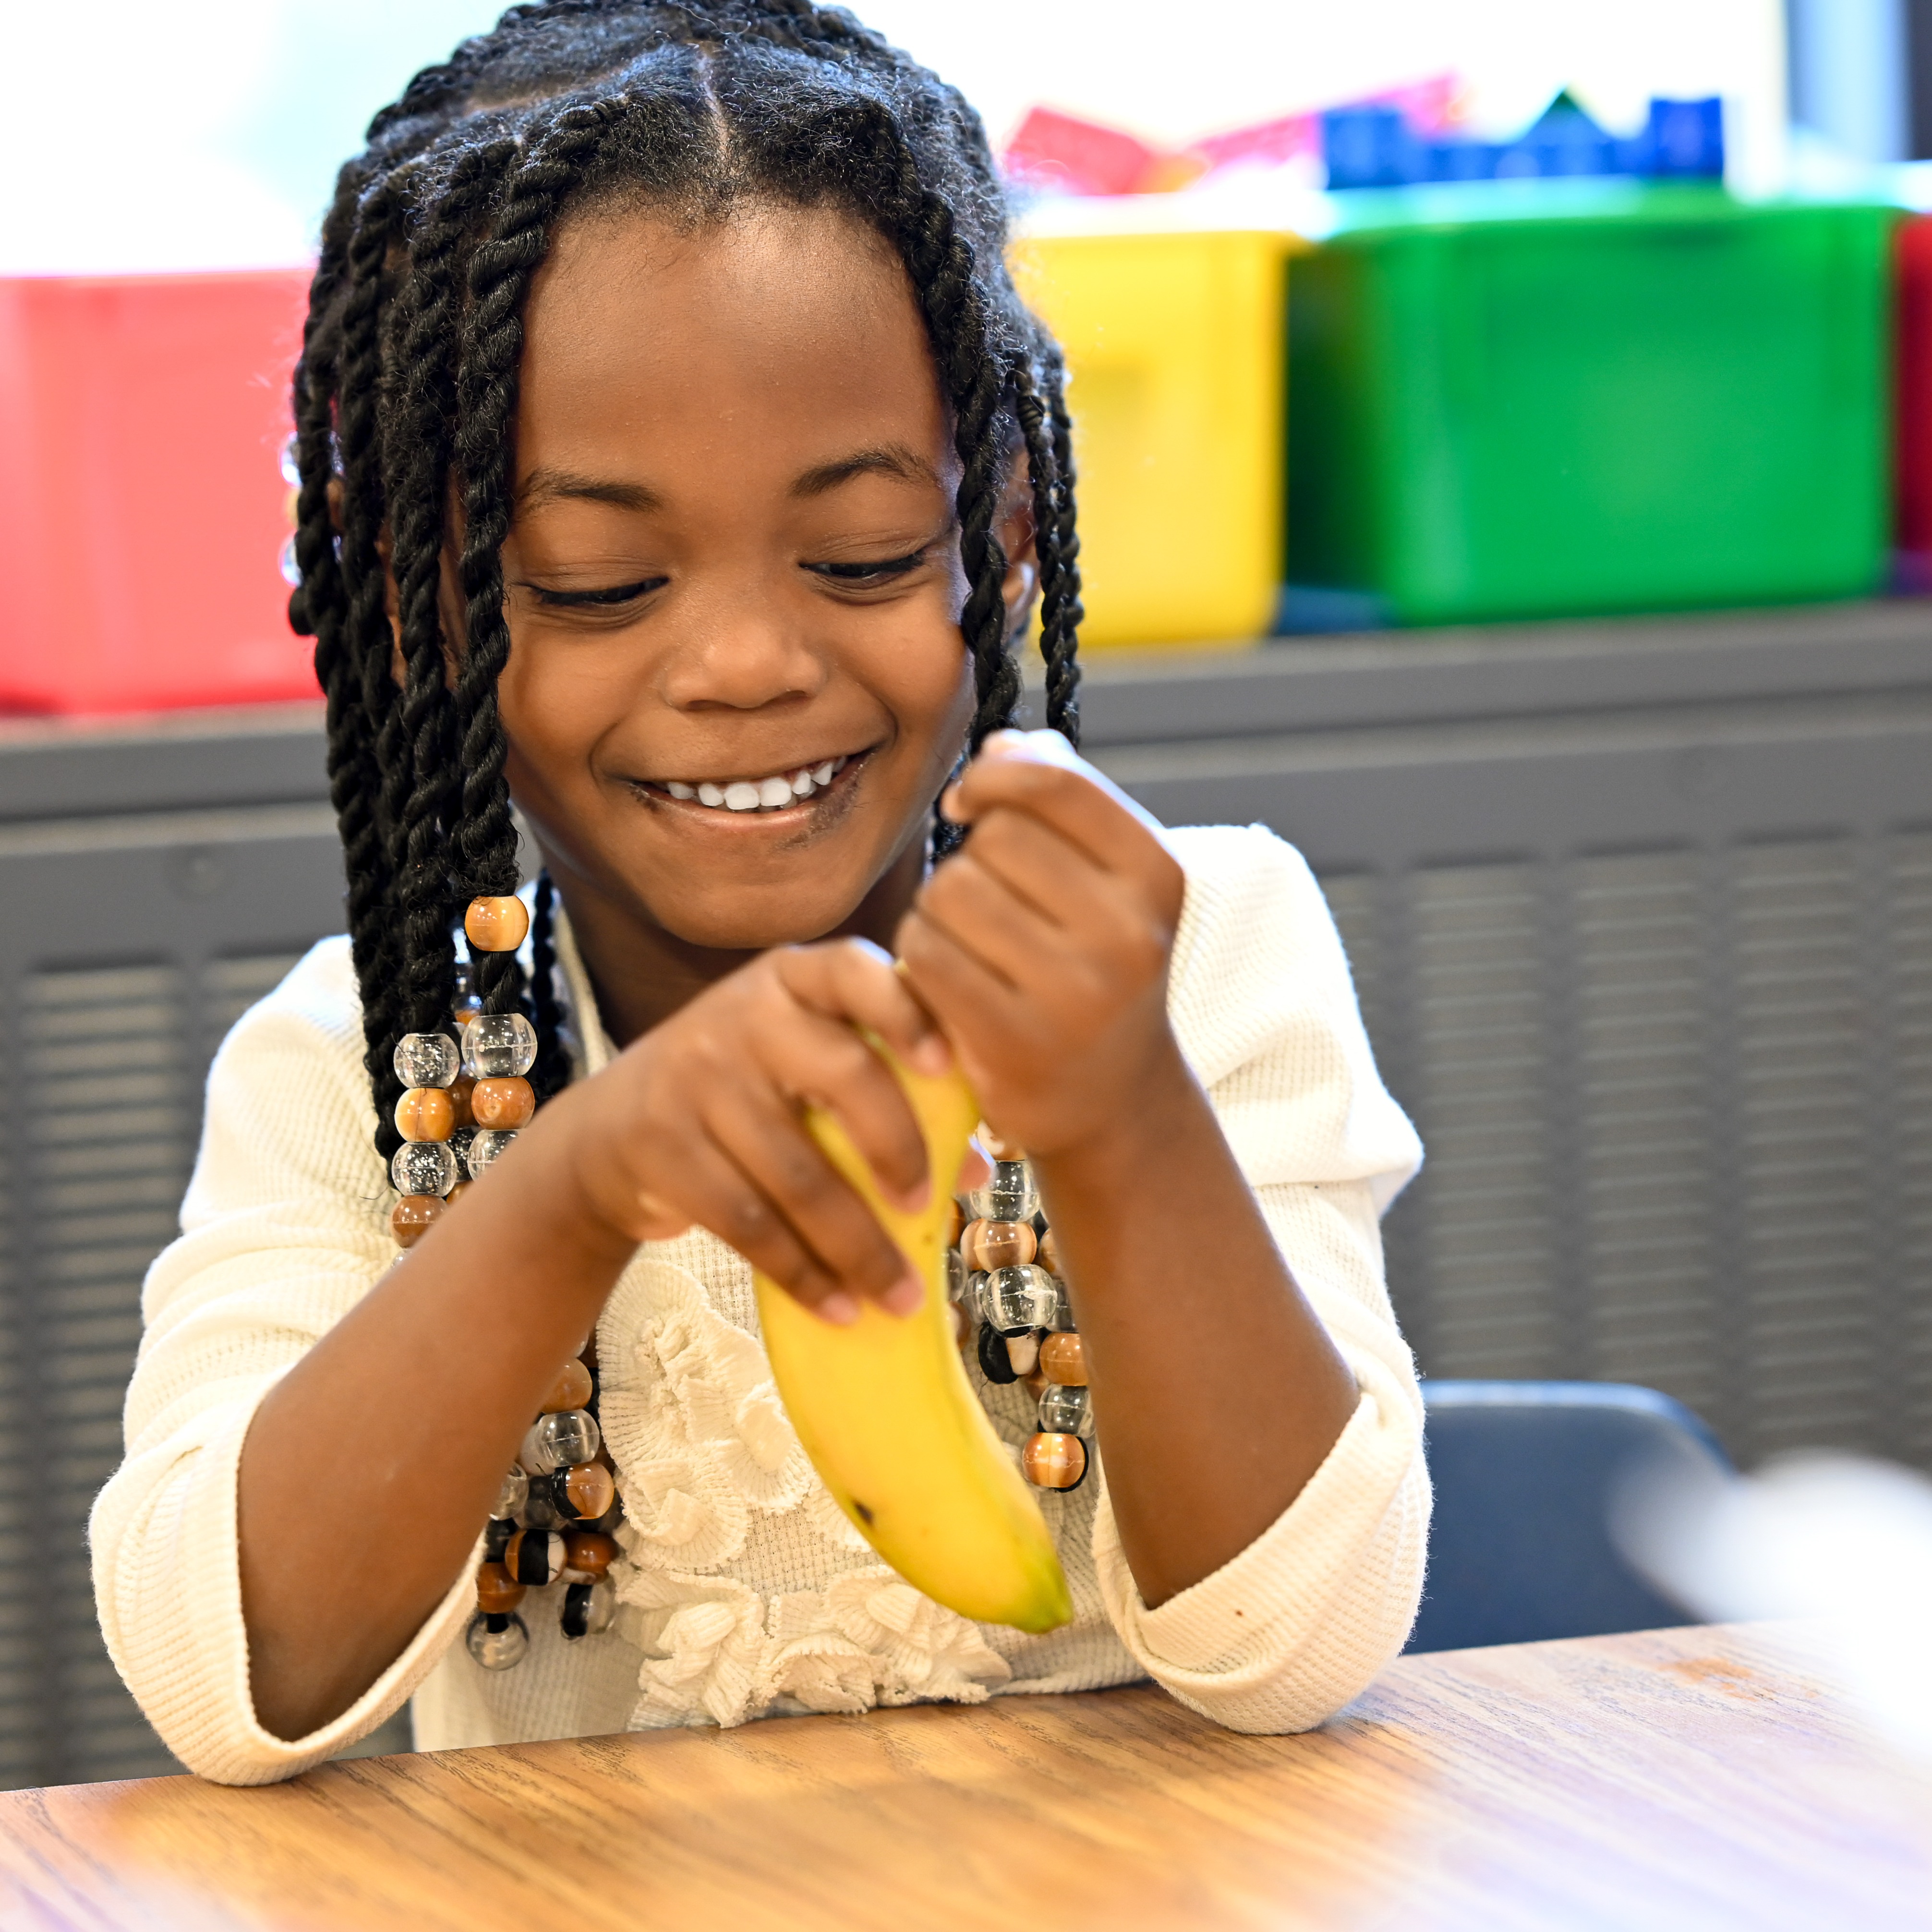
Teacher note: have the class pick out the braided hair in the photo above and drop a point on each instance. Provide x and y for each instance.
(406, 399)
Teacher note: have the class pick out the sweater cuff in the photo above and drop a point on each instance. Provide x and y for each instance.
(1273, 1611)
(192, 1676)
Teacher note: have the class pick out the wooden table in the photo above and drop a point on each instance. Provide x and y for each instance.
(1678, 1779)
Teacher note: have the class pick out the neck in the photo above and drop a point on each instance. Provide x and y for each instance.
(642, 974)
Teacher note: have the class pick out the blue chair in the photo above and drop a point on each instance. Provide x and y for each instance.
(1525, 1476)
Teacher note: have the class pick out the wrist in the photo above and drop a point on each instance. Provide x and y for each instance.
(1137, 1131)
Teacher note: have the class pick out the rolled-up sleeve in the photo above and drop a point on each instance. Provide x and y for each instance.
(283, 1232)
(1290, 1629)
(1283, 1635)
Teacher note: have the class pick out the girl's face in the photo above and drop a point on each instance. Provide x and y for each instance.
(734, 560)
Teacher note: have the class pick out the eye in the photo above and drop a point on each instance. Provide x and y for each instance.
(865, 576)
(612, 594)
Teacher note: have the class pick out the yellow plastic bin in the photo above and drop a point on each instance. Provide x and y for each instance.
(1173, 348)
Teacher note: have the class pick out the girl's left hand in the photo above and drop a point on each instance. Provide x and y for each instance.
(1041, 948)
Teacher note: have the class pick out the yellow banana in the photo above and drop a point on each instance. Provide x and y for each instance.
(890, 1422)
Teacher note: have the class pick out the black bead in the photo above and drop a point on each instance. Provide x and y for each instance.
(539, 1557)
(995, 1364)
(576, 1609)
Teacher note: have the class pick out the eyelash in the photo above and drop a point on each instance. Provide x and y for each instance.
(861, 576)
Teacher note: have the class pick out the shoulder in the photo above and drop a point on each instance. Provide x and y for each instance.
(1256, 943)
(1261, 1002)
(288, 1103)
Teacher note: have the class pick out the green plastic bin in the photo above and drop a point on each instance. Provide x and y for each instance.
(1586, 397)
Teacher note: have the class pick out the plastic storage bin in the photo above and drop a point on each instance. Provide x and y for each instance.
(1541, 399)
(142, 510)
(1173, 345)
(1913, 414)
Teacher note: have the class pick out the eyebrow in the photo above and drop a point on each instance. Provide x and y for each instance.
(549, 486)
(892, 459)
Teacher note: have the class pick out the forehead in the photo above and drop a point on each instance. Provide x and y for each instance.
(773, 326)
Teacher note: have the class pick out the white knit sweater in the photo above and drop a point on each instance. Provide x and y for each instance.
(743, 1590)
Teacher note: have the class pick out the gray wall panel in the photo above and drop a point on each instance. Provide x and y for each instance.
(1640, 913)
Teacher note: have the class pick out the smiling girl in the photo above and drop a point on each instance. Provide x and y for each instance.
(679, 463)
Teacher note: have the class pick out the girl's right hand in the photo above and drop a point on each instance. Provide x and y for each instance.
(700, 1121)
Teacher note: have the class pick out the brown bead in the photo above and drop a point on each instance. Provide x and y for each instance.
(1063, 1358)
(1054, 1461)
(998, 1146)
(459, 1091)
(497, 925)
(424, 1113)
(590, 1490)
(457, 1193)
(962, 1323)
(956, 1225)
(1049, 1254)
(502, 1103)
(1035, 1384)
(497, 1592)
(589, 1552)
(412, 1217)
(988, 1245)
(571, 1389)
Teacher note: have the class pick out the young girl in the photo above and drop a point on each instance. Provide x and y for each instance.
(679, 463)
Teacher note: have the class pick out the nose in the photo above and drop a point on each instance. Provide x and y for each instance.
(740, 654)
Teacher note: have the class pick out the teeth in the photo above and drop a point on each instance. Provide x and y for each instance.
(771, 794)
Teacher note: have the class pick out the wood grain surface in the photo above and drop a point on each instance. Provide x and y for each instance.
(1694, 1778)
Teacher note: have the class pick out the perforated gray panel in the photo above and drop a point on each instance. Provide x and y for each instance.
(1678, 1110)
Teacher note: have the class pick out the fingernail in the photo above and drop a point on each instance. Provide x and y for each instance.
(905, 1296)
(932, 1057)
(839, 1308)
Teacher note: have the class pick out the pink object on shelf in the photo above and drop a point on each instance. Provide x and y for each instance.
(1053, 150)
(143, 508)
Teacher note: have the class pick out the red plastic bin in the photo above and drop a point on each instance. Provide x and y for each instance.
(1912, 439)
(143, 508)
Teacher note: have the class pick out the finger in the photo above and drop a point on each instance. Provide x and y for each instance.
(854, 980)
(825, 1063)
(1040, 772)
(981, 912)
(970, 999)
(1059, 880)
(698, 1182)
(766, 1140)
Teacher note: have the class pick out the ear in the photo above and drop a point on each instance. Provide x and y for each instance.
(1016, 533)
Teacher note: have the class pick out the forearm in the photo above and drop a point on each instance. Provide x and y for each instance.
(369, 1468)
(1217, 1392)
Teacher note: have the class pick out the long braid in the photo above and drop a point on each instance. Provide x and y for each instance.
(493, 344)
(1049, 447)
(551, 1074)
(422, 778)
(367, 634)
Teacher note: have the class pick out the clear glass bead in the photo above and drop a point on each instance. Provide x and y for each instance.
(291, 462)
(501, 1649)
(512, 1496)
(497, 1046)
(426, 1059)
(291, 569)
(955, 1274)
(556, 1440)
(489, 1144)
(1012, 1298)
(424, 1167)
(588, 1609)
(1065, 1411)
(1010, 1195)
